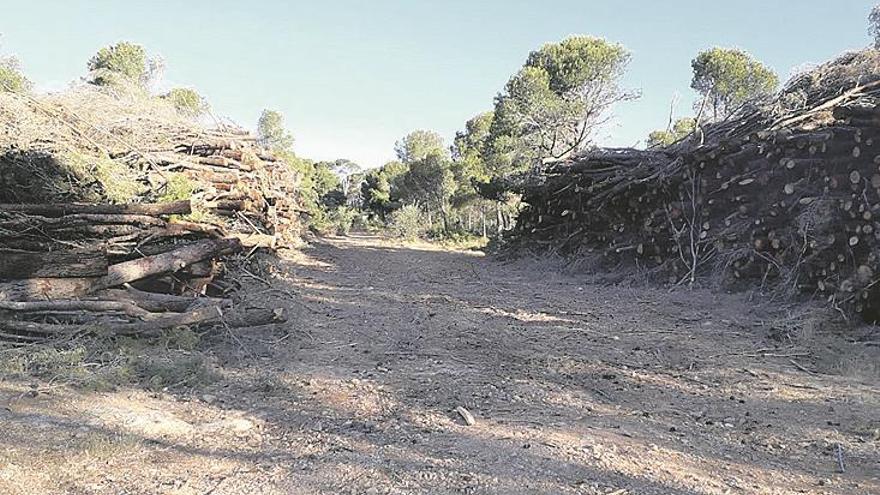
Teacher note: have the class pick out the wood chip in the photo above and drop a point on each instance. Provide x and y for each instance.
(466, 416)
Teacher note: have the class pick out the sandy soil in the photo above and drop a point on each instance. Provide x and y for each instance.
(574, 387)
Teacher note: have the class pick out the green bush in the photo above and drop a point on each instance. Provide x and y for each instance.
(123, 61)
(178, 187)
(407, 222)
(118, 182)
(11, 77)
(187, 101)
(343, 218)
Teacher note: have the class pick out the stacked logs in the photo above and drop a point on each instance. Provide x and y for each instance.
(247, 190)
(124, 269)
(789, 204)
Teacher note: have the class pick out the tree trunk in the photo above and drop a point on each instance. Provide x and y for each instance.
(59, 210)
(27, 264)
(118, 274)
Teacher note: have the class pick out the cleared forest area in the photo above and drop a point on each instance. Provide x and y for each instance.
(189, 307)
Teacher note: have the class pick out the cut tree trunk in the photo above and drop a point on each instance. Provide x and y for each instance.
(209, 315)
(16, 264)
(62, 209)
(118, 274)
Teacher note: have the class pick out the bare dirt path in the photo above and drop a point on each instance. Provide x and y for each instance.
(575, 388)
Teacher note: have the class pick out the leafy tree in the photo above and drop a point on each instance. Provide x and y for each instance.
(728, 78)
(418, 144)
(123, 62)
(380, 191)
(679, 130)
(874, 25)
(325, 180)
(468, 149)
(346, 169)
(11, 77)
(553, 105)
(430, 182)
(408, 222)
(271, 131)
(187, 101)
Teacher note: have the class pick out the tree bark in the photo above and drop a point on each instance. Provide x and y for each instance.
(16, 264)
(62, 209)
(208, 315)
(118, 274)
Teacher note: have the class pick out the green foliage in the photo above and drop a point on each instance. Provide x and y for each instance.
(379, 191)
(187, 101)
(429, 181)
(178, 187)
(123, 61)
(343, 218)
(418, 144)
(118, 182)
(552, 106)
(408, 222)
(271, 131)
(729, 78)
(11, 77)
(680, 129)
(324, 179)
(469, 147)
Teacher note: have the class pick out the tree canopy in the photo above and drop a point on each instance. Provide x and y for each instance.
(469, 147)
(271, 131)
(419, 144)
(11, 77)
(727, 78)
(123, 62)
(679, 130)
(187, 101)
(378, 189)
(552, 106)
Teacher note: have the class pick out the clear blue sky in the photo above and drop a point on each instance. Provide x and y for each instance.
(351, 77)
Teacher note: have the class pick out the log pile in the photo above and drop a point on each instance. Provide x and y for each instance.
(90, 146)
(243, 187)
(131, 269)
(787, 201)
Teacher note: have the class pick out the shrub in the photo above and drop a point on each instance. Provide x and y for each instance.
(408, 222)
(187, 101)
(123, 62)
(273, 135)
(118, 182)
(343, 218)
(178, 187)
(11, 77)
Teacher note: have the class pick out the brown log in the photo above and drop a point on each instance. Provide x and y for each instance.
(155, 302)
(172, 261)
(210, 315)
(126, 308)
(62, 209)
(16, 264)
(118, 274)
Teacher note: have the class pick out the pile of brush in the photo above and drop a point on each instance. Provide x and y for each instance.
(244, 187)
(131, 269)
(89, 145)
(786, 198)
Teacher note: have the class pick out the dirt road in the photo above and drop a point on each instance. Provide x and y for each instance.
(574, 387)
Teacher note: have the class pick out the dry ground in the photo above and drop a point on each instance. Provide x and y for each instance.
(576, 388)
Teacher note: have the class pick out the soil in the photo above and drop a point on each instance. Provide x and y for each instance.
(574, 387)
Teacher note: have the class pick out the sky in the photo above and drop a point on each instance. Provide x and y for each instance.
(352, 77)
